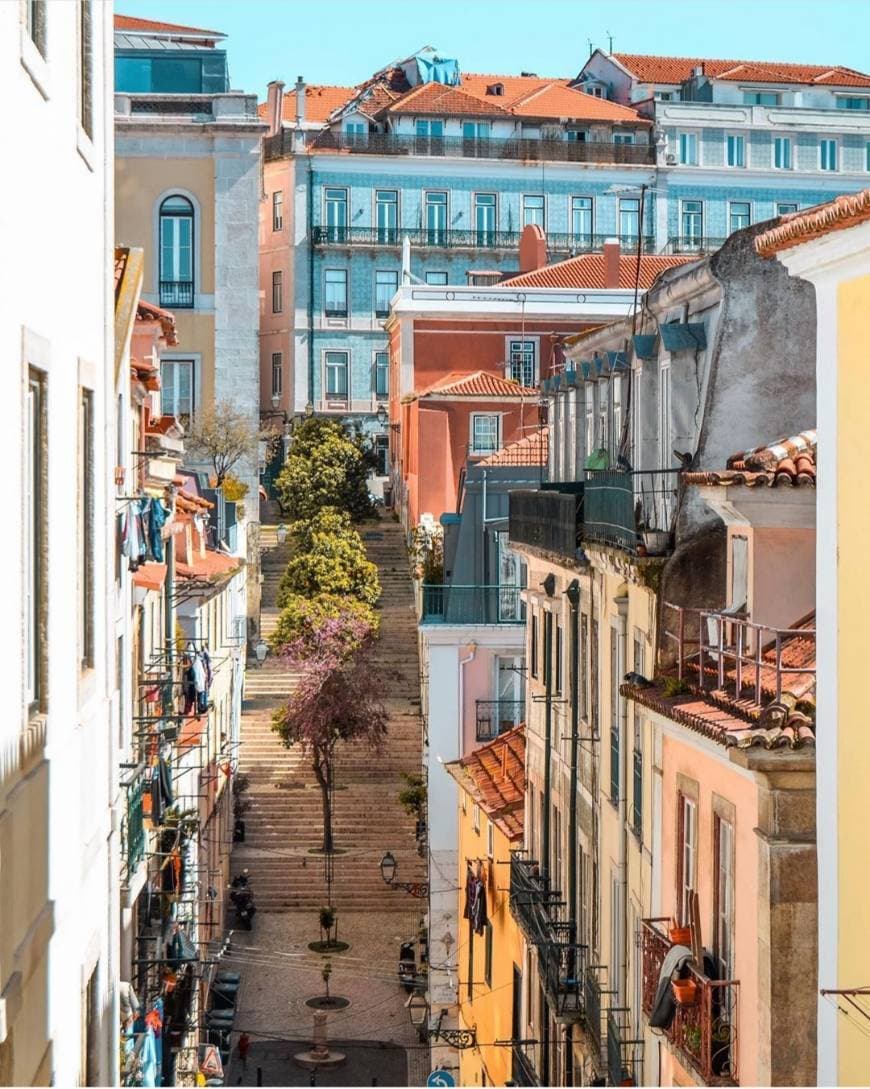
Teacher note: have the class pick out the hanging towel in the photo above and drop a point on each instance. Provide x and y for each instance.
(478, 907)
(159, 514)
(469, 891)
(206, 661)
(198, 673)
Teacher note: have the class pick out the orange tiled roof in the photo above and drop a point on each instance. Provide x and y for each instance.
(320, 101)
(653, 69)
(495, 775)
(836, 215)
(530, 450)
(437, 98)
(150, 576)
(131, 22)
(790, 461)
(587, 271)
(210, 566)
(553, 100)
(146, 311)
(477, 384)
(121, 255)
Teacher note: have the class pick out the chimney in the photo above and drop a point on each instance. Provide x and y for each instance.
(300, 101)
(533, 248)
(274, 101)
(611, 263)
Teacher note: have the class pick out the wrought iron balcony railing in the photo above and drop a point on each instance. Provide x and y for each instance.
(690, 243)
(704, 1033)
(562, 965)
(532, 902)
(624, 1052)
(177, 293)
(545, 519)
(592, 1006)
(133, 835)
(558, 243)
(448, 604)
(495, 716)
(522, 1065)
(631, 509)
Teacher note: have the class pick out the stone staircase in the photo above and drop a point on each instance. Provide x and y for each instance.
(284, 820)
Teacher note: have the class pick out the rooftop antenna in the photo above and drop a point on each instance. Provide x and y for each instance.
(591, 47)
(609, 42)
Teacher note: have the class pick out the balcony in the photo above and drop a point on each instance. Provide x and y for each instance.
(447, 604)
(133, 837)
(558, 244)
(690, 244)
(624, 1053)
(703, 1034)
(522, 1067)
(532, 901)
(562, 967)
(494, 717)
(634, 511)
(441, 147)
(592, 1004)
(546, 520)
(176, 293)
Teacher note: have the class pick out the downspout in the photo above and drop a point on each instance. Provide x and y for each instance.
(311, 285)
(463, 662)
(169, 592)
(545, 831)
(573, 595)
(622, 637)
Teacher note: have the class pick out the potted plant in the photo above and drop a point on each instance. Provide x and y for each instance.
(327, 922)
(720, 1048)
(685, 991)
(692, 1038)
(680, 935)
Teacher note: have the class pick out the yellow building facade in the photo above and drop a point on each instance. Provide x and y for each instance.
(830, 247)
(491, 950)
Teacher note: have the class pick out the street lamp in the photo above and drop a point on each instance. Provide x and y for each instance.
(261, 650)
(418, 1010)
(281, 533)
(276, 400)
(389, 867)
(381, 415)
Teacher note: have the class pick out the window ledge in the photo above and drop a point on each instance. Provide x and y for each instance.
(35, 65)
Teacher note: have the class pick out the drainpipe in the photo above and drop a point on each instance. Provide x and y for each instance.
(573, 595)
(622, 606)
(311, 284)
(545, 832)
(463, 662)
(169, 592)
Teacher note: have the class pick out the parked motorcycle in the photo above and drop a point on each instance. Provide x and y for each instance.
(242, 899)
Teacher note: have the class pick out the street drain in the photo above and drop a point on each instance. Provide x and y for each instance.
(334, 1002)
(329, 947)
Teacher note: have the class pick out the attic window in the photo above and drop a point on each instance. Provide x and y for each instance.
(495, 89)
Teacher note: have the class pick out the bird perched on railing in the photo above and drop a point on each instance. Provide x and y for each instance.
(638, 680)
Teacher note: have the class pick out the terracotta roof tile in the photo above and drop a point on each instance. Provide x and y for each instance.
(130, 22)
(790, 462)
(554, 100)
(530, 450)
(146, 311)
(653, 69)
(495, 776)
(150, 576)
(437, 98)
(477, 384)
(587, 272)
(210, 566)
(836, 215)
(321, 100)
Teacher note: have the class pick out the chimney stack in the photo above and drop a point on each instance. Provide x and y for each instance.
(300, 101)
(533, 248)
(274, 102)
(611, 263)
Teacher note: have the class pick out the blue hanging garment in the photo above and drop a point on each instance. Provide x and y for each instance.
(159, 515)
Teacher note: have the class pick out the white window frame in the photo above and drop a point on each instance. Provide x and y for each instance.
(543, 210)
(346, 293)
(490, 839)
(687, 136)
(623, 137)
(738, 139)
(790, 206)
(784, 141)
(688, 849)
(475, 818)
(437, 283)
(683, 212)
(484, 233)
(375, 369)
(839, 99)
(731, 206)
(498, 433)
(329, 202)
(520, 340)
(724, 878)
(829, 141)
(628, 206)
(380, 230)
(591, 210)
(664, 407)
(755, 92)
(445, 204)
(193, 359)
(326, 368)
(278, 210)
(384, 272)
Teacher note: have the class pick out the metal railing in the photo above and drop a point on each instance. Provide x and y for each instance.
(727, 651)
(690, 243)
(522, 1066)
(705, 1032)
(532, 902)
(593, 1009)
(545, 519)
(449, 604)
(637, 794)
(630, 509)
(133, 836)
(476, 239)
(178, 293)
(562, 965)
(537, 150)
(624, 1053)
(493, 717)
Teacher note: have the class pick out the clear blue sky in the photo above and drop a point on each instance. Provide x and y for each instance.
(343, 41)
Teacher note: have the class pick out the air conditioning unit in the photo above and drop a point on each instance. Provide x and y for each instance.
(671, 160)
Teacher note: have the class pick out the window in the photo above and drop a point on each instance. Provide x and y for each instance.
(853, 102)
(178, 74)
(687, 842)
(335, 208)
(356, 132)
(785, 208)
(616, 711)
(92, 1035)
(665, 446)
(589, 423)
(436, 279)
(387, 215)
(428, 129)
(739, 590)
(277, 376)
(86, 67)
(782, 152)
(523, 361)
(490, 839)
(484, 433)
(475, 818)
(176, 252)
(533, 210)
(616, 933)
(382, 375)
(581, 220)
(623, 138)
(723, 894)
(35, 541)
(277, 292)
(487, 960)
(277, 210)
(86, 529)
(629, 219)
(558, 653)
(637, 754)
(336, 374)
(386, 286)
(603, 429)
(691, 223)
(867, 157)
(335, 293)
(382, 453)
(761, 98)
(739, 215)
(615, 415)
(827, 154)
(484, 218)
(735, 151)
(435, 204)
(577, 136)
(34, 15)
(177, 389)
(533, 646)
(689, 148)
(476, 130)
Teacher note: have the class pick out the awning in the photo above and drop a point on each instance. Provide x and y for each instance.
(678, 336)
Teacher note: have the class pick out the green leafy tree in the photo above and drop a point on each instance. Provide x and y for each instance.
(328, 558)
(327, 467)
(301, 617)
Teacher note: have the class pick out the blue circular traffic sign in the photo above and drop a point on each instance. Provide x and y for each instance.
(441, 1077)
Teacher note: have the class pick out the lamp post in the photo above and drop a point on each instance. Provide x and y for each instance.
(281, 533)
(418, 1011)
(389, 867)
(261, 650)
(381, 414)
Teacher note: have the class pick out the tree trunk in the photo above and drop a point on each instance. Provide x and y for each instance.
(322, 764)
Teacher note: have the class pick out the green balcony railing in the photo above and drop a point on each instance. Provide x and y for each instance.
(133, 830)
(631, 509)
(448, 604)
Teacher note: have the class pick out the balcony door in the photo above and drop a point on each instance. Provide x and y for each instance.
(692, 226)
(176, 252)
(510, 580)
(387, 215)
(436, 218)
(509, 691)
(336, 214)
(484, 219)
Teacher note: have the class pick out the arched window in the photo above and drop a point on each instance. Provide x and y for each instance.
(176, 252)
